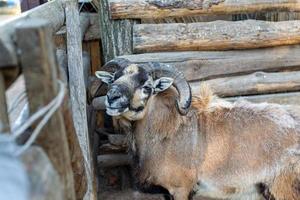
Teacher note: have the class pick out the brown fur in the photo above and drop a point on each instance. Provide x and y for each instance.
(220, 149)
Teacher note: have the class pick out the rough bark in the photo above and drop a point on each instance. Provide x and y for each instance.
(138, 9)
(116, 35)
(217, 35)
(8, 55)
(207, 65)
(38, 62)
(256, 83)
(78, 91)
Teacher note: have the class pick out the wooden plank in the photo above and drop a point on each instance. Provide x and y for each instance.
(4, 119)
(116, 35)
(256, 83)
(95, 56)
(8, 55)
(78, 91)
(217, 35)
(43, 178)
(38, 62)
(121, 9)
(113, 160)
(77, 158)
(292, 98)
(205, 65)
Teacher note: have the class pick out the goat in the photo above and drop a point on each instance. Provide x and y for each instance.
(203, 145)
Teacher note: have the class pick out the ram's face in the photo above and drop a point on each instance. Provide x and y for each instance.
(130, 89)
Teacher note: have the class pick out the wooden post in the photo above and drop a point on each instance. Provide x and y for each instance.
(78, 91)
(116, 35)
(4, 120)
(37, 58)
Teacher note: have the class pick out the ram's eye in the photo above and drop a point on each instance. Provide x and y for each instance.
(147, 89)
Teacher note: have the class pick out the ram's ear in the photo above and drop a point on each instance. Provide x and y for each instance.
(105, 77)
(162, 84)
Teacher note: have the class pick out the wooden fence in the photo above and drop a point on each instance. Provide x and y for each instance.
(27, 49)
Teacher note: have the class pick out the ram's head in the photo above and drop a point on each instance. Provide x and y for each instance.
(132, 85)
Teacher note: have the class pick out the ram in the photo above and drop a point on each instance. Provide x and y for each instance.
(203, 145)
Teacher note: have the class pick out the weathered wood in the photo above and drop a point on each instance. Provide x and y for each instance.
(217, 35)
(116, 35)
(89, 26)
(292, 98)
(93, 31)
(8, 53)
(111, 149)
(206, 65)
(17, 103)
(37, 58)
(256, 83)
(78, 91)
(4, 119)
(77, 158)
(44, 180)
(113, 160)
(171, 8)
(117, 139)
(96, 60)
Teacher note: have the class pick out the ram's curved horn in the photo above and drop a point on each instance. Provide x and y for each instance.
(158, 70)
(116, 64)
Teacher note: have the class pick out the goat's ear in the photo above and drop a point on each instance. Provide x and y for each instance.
(162, 84)
(105, 77)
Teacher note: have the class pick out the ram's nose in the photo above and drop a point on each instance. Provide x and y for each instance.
(113, 95)
(117, 98)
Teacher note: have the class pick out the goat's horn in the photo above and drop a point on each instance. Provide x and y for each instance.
(159, 70)
(116, 64)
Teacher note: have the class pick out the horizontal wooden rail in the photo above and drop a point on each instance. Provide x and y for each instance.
(52, 11)
(170, 8)
(205, 65)
(256, 83)
(217, 35)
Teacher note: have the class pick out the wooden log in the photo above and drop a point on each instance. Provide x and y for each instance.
(78, 91)
(111, 149)
(256, 83)
(4, 119)
(8, 52)
(116, 35)
(113, 160)
(121, 9)
(217, 35)
(44, 180)
(37, 58)
(291, 98)
(117, 139)
(206, 65)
